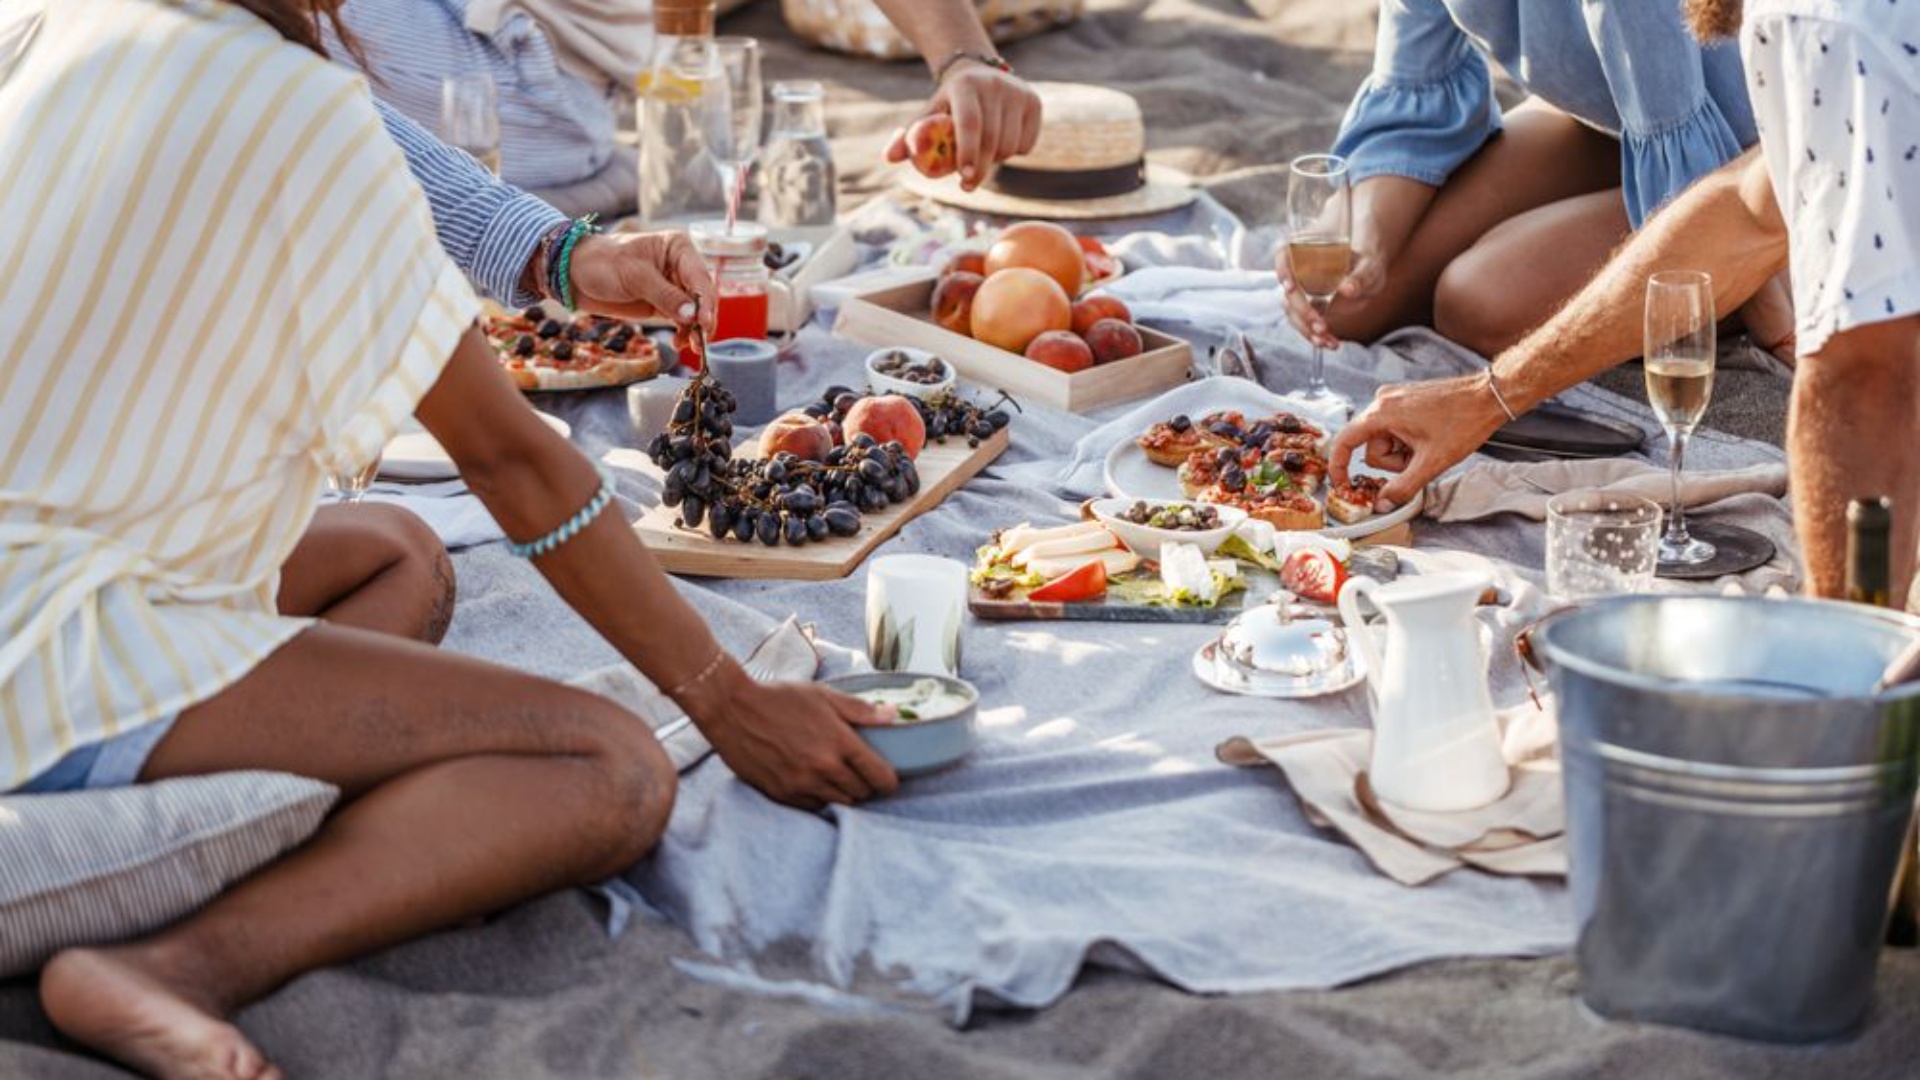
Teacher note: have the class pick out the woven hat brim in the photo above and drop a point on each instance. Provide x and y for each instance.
(1166, 189)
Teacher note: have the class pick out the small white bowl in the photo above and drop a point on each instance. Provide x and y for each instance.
(887, 384)
(1145, 540)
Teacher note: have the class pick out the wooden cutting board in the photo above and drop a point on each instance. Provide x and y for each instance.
(696, 553)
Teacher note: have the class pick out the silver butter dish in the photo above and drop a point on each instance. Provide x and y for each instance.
(1280, 651)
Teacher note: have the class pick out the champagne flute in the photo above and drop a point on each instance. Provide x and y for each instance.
(1320, 245)
(1679, 359)
(351, 484)
(470, 117)
(733, 116)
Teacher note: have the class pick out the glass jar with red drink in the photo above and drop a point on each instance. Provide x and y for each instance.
(738, 258)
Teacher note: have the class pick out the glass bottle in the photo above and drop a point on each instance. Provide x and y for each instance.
(677, 181)
(1870, 581)
(798, 184)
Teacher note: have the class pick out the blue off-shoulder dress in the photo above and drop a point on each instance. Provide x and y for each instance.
(1629, 68)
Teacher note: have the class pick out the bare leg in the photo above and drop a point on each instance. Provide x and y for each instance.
(1542, 157)
(1525, 268)
(466, 788)
(375, 567)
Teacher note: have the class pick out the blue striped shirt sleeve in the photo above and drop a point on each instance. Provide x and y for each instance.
(489, 228)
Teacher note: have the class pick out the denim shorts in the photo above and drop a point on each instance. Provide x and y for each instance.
(110, 763)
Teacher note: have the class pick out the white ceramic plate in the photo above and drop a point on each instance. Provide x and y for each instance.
(1130, 474)
(1145, 540)
(417, 457)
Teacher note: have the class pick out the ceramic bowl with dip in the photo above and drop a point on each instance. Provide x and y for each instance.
(1177, 515)
(914, 373)
(936, 725)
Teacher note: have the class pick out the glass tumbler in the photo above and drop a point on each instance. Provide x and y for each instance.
(1601, 544)
(798, 183)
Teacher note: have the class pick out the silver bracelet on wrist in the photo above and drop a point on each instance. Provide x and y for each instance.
(1493, 386)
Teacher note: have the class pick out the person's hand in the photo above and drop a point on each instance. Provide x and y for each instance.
(1368, 274)
(795, 743)
(1418, 430)
(632, 275)
(995, 116)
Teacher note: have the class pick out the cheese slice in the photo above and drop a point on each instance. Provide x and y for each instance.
(1184, 571)
(1089, 544)
(1118, 560)
(1022, 537)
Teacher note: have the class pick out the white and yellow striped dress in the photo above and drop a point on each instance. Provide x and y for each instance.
(218, 280)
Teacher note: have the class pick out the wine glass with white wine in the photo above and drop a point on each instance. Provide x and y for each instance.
(1679, 361)
(1320, 246)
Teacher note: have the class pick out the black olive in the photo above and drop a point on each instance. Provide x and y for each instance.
(1180, 423)
(1290, 424)
(550, 328)
(523, 347)
(534, 314)
(563, 350)
(1293, 461)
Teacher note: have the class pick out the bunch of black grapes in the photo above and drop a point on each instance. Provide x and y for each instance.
(781, 498)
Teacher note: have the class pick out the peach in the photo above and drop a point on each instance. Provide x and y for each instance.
(967, 262)
(953, 301)
(1061, 349)
(888, 418)
(932, 143)
(1043, 246)
(1094, 308)
(1111, 339)
(1015, 306)
(798, 434)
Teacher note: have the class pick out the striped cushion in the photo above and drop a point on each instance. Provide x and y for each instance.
(95, 867)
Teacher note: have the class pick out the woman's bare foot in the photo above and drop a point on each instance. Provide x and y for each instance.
(105, 1000)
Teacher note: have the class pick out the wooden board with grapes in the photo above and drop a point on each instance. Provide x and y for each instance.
(821, 488)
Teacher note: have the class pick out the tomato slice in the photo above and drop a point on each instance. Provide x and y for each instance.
(1312, 574)
(1087, 582)
(1091, 245)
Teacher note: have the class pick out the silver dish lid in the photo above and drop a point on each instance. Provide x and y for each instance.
(1284, 650)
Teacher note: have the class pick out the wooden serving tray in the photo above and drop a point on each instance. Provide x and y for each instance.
(899, 316)
(697, 554)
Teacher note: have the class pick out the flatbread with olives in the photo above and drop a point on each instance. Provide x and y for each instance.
(548, 350)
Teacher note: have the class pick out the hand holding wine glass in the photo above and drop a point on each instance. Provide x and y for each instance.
(1319, 245)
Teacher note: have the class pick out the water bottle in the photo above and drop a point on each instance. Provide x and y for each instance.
(798, 184)
(678, 182)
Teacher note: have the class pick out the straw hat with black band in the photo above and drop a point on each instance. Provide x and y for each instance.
(1089, 162)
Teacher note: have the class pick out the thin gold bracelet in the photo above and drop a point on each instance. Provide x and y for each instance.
(713, 665)
(1493, 385)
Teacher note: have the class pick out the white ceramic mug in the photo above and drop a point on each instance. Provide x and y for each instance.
(915, 605)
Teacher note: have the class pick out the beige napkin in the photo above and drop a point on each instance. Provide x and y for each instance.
(1522, 834)
(786, 655)
(1523, 487)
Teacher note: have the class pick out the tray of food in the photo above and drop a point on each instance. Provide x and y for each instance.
(1161, 561)
(1018, 317)
(545, 347)
(821, 487)
(1271, 466)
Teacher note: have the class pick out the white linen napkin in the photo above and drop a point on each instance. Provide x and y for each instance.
(1520, 834)
(1523, 487)
(454, 514)
(1246, 299)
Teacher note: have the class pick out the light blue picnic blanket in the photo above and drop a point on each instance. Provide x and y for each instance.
(1093, 825)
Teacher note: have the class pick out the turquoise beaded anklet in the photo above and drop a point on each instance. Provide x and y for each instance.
(569, 529)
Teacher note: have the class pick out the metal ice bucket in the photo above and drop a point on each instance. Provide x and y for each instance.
(1736, 802)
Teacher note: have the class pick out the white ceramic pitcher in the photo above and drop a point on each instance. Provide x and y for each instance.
(1436, 744)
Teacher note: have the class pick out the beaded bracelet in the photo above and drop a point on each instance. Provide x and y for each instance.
(568, 529)
(560, 269)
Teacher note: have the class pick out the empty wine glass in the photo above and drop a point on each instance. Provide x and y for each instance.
(351, 484)
(1320, 245)
(1679, 361)
(733, 118)
(470, 117)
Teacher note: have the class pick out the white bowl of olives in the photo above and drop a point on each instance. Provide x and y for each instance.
(914, 373)
(1145, 524)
